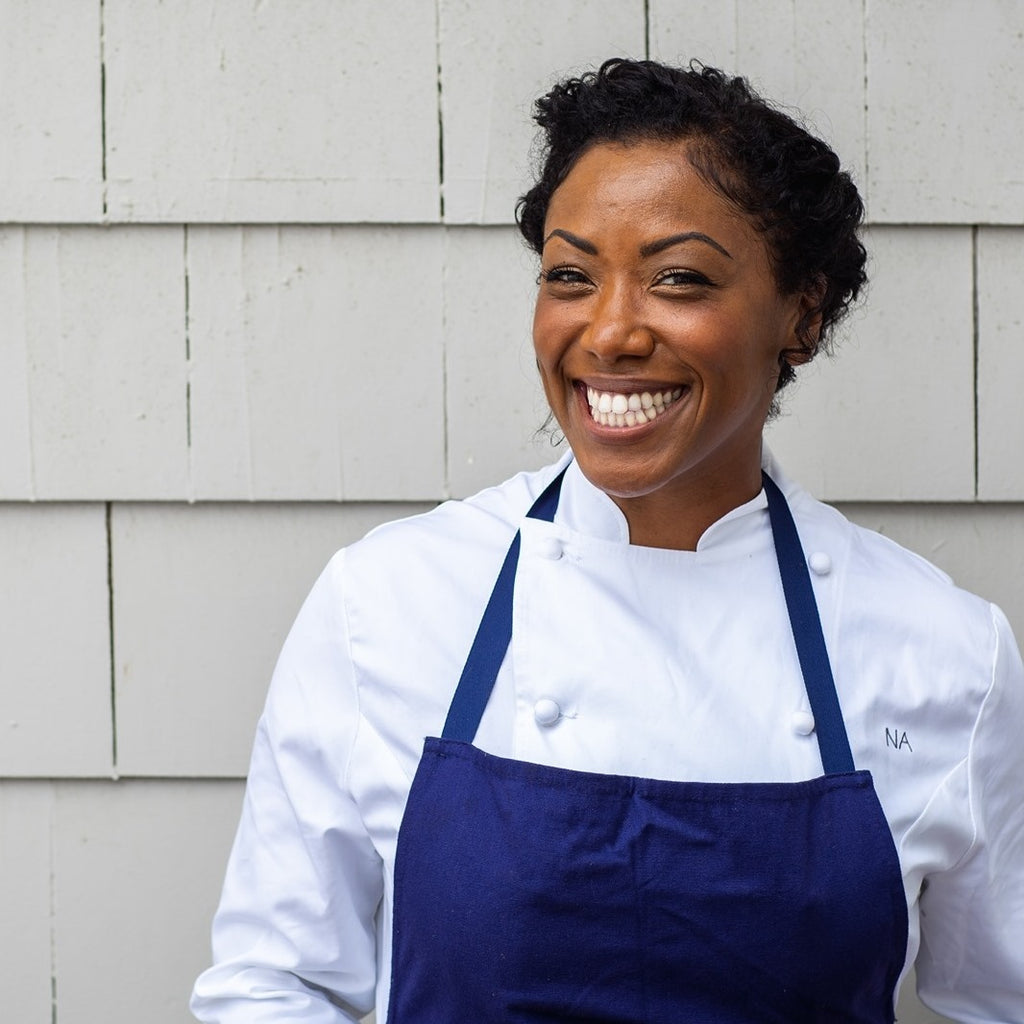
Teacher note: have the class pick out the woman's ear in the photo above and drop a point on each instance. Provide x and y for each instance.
(808, 324)
(798, 356)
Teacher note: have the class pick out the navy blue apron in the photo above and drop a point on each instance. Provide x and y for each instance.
(527, 893)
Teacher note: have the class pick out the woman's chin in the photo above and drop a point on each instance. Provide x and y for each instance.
(620, 476)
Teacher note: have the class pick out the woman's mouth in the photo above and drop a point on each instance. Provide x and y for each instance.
(619, 409)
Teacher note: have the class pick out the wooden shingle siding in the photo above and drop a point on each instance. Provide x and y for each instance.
(260, 291)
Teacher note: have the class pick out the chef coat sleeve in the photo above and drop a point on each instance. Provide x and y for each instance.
(294, 936)
(971, 964)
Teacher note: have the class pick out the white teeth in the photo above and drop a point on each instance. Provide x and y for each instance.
(618, 409)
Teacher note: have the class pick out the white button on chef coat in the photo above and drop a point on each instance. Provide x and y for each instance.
(550, 548)
(803, 723)
(681, 661)
(546, 712)
(820, 563)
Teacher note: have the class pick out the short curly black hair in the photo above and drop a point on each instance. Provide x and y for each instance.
(787, 181)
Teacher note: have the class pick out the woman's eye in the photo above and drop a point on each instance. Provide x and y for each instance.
(681, 277)
(564, 275)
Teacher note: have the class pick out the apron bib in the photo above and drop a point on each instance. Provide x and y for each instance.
(527, 893)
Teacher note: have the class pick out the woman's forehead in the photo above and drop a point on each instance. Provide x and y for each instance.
(646, 189)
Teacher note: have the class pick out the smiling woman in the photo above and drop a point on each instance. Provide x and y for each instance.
(651, 284)
(656, 783)
(685, 228)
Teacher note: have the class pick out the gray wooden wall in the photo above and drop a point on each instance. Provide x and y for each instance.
(259, 291)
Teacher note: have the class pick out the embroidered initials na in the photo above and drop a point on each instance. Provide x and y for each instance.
(897, 739)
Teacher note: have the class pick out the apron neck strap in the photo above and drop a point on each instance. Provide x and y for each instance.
(495, 633)
(805, 623)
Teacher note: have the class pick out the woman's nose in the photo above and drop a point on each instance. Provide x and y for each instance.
(615, 329)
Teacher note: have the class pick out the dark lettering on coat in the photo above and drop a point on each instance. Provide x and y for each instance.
(897, 739)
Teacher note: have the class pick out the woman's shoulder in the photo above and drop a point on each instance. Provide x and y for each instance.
(433, 572)
(884, 582)
(456, 531)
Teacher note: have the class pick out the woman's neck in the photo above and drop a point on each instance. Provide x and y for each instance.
(677, 517)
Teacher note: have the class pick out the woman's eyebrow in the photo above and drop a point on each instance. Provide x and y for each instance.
(652, 248)
(580, 243)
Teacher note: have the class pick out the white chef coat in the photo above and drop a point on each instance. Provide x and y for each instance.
(630, 660)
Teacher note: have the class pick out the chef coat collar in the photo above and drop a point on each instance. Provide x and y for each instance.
(588, 510)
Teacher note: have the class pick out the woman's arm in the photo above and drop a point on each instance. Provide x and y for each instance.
(971, 963)
(294, 938)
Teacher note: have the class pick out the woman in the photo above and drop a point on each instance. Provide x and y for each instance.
(656, 784)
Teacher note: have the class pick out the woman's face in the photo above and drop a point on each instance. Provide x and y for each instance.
(658, 327)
